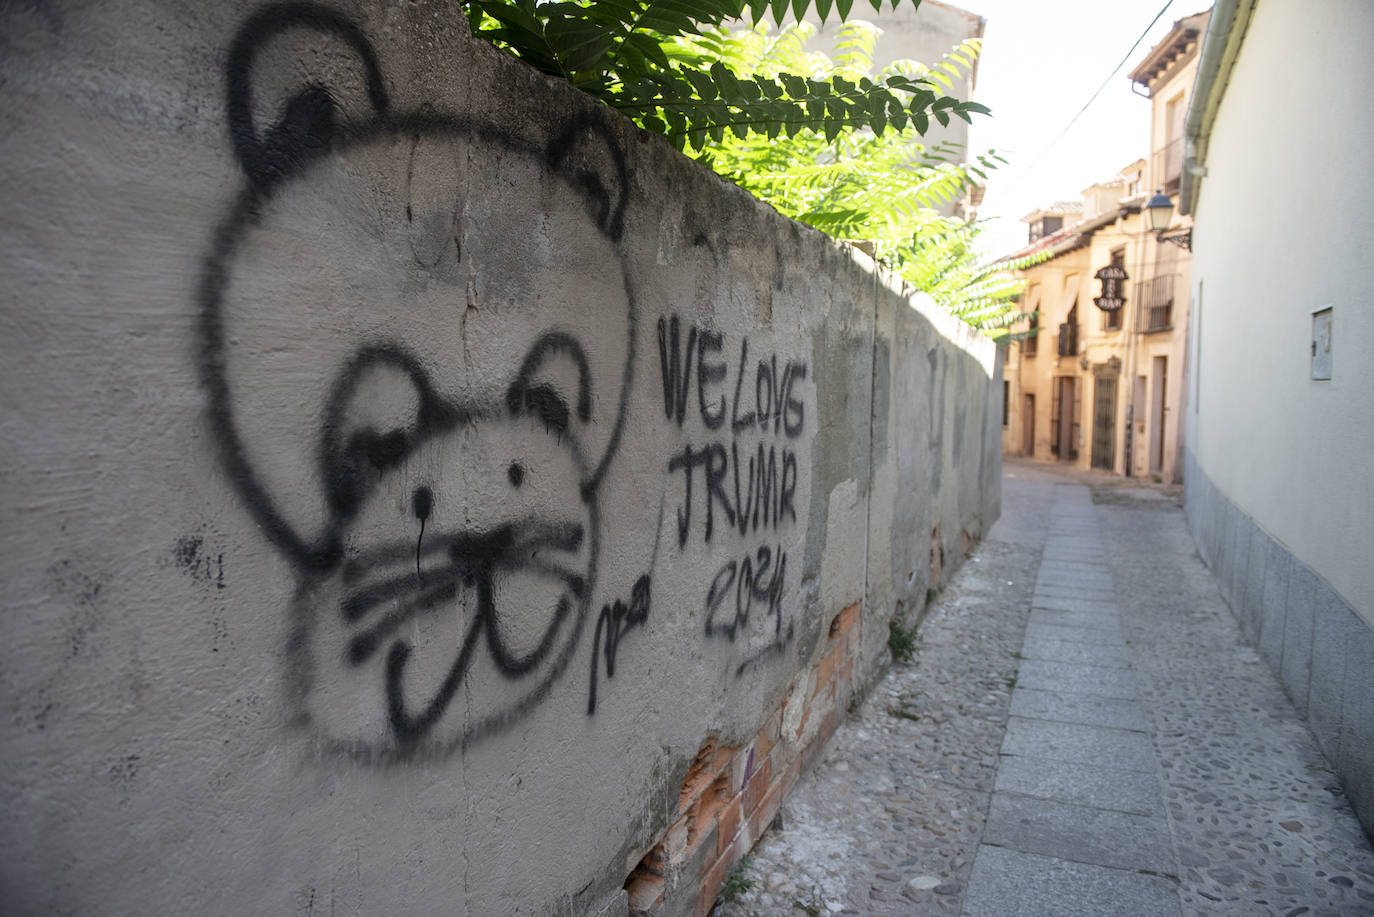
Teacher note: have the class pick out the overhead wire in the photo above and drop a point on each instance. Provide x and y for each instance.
(1086, 105)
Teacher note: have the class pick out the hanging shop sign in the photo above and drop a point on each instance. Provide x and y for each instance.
(1113, 297)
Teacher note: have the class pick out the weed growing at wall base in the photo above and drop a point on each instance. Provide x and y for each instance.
(737, 880)
(901, 641)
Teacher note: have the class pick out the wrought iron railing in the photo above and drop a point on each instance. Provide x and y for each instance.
(1068, 339)
(1155, 298)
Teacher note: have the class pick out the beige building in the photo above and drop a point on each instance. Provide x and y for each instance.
(1098, 383)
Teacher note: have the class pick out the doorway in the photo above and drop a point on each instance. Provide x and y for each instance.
(1104, 422)
(1157, 413)
(1064, 418)
(1028, 425)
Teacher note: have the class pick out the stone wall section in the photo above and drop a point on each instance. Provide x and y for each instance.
(1313, 640)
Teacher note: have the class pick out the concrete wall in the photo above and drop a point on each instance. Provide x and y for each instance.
(424, 492)
(1280, 481)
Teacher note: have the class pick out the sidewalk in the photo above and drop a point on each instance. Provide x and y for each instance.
(1081, 731)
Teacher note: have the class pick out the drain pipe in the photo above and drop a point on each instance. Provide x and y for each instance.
(1220, 46)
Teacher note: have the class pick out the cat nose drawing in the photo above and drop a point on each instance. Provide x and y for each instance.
(465, 530)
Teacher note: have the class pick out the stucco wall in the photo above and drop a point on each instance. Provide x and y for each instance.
(1280, 485)
(1279, 232)
(424, 492)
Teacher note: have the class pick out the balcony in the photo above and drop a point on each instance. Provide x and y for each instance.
(1166, 165)
(1068, 339)
(1155, 299)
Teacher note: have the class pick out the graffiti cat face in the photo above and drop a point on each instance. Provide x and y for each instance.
(417, 341)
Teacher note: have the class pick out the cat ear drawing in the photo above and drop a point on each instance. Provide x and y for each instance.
(310, 119)
(588, 156)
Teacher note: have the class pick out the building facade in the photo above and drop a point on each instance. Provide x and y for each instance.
(1280, 483)
(1097, 380)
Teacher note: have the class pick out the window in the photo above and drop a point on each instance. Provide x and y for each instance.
(1044, 226)
(1068, 334)
(1031, 343)
(1068, 331)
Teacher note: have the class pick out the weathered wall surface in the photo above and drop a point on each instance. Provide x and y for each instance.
(424, 492)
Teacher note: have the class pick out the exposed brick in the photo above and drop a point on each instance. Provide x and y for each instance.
(675, 841)
(746, 761)
(813, 748)
(768, 736)
(758, 786)
(724, 755)
(699, 775)
(848, 617)
(702, 844)
(712, 801)
(793, 774)
(829, 663)
(854, 644)
(645, 892)
(694, 825)
(845, 675)
(767, 810)
(645, 885)
(728, 823)
(713, 879)
(830, 724)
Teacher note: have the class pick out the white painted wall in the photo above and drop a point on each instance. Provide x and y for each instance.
(1284, 225)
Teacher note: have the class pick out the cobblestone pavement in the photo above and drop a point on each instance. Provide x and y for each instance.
(894, 818)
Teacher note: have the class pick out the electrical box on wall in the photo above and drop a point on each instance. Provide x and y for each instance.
(1321, 343)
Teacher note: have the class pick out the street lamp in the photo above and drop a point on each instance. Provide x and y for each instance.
(1159, 210)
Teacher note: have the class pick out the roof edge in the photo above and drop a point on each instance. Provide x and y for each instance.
(1220, 47)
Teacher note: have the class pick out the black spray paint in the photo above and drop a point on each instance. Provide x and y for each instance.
(383, 589)
(739, 480)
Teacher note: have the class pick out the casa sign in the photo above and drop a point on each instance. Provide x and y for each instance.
(1113, 297)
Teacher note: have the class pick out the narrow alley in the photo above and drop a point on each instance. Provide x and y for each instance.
(1081, 730)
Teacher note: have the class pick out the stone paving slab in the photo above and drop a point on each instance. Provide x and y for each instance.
(1085, 709)
(1010, 883)
(1047, 627)
(1105, 621)
(1075, 604)
(1094, 582)
(1071, 651)
(1064, 553)
(1062, 561)
(1074, 678)
(1083, 834)
(1074, 591)
(1079, 744)
(1136, 792)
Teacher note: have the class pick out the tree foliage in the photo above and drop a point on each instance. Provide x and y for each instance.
(884, 188)
(824, 140)
(621, 51)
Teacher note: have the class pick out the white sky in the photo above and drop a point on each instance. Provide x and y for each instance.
(1042, 60)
